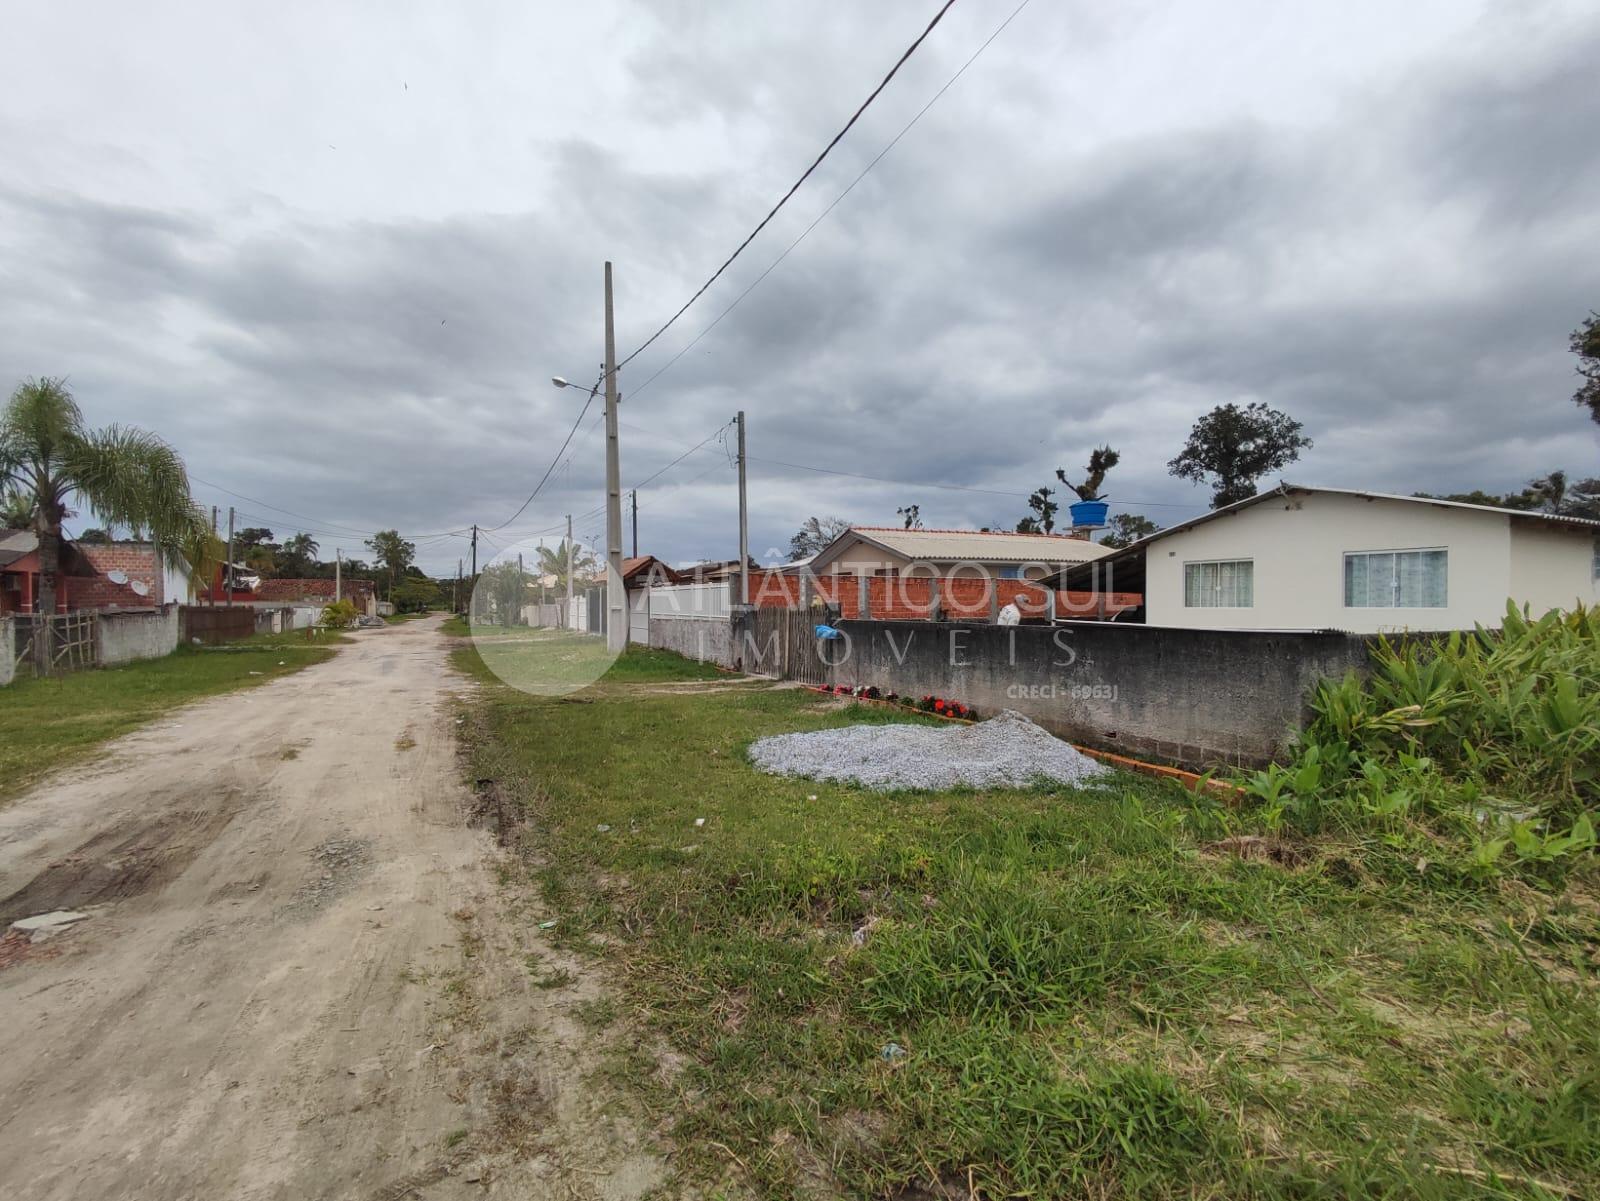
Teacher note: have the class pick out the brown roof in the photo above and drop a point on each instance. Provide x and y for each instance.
(651, 568)
(310, 590)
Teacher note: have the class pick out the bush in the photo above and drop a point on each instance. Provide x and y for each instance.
(1489, 741)
(340, 615)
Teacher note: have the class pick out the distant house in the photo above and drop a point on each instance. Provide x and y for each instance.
(1298, 557)
(646, 571)
(361, 593)
(712, 570)
(864, 550)
(99, 576)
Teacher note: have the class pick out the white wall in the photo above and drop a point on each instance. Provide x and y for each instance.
(1553, 568)
(1298, 544)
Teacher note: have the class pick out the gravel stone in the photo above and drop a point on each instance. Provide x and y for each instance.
(1006, 751)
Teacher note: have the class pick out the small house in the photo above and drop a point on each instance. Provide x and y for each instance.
(1299, 558)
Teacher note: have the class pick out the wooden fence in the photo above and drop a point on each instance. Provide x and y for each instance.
(213, 624)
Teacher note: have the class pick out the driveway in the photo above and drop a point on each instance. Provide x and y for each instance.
(247, 1012)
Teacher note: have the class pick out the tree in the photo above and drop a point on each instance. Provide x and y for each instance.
(16, 510)
(261, 559)
(393, 553)
(95, 536)
(1231, 448)
(298, 556)
(501, 590)
(554, 563)
(815, 533)
(1586, 345)
(1101, 460)
(416, 594)
(1126, 529)
(1044, 509)
(124, 475)
(912, 515)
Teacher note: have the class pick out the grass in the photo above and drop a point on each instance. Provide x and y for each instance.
(1091, 994)
(47, 723)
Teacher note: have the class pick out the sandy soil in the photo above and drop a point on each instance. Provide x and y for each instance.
(298, 979)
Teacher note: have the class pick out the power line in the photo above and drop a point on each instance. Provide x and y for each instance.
(893, 142)
(910, 50)
(593, 391)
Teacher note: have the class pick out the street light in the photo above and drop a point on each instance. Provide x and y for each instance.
(616, 598)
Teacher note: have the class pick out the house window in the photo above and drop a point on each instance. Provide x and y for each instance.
(1595, 565)
(1396, 579)
(1224, 584)
(1012, 572)
(889, 572)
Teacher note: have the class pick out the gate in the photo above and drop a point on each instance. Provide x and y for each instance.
(783, 643)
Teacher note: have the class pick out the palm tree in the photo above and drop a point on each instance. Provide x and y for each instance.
(554, 562)
(299, 555)
(126, 476)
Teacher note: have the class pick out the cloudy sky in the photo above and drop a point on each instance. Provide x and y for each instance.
(335, 252)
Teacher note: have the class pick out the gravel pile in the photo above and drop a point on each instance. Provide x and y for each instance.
(1006, 751)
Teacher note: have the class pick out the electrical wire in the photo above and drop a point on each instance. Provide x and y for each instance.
(793, 188)
(893, 142)
(593, 391)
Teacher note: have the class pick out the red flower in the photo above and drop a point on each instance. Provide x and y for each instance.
(939, 705)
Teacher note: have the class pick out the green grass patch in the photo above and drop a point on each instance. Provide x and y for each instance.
(46, 723)
(1054, 993)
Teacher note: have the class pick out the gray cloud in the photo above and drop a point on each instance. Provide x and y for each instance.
(1394, 256)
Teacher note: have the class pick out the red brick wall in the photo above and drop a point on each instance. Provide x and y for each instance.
(138, 561)
(912, 598)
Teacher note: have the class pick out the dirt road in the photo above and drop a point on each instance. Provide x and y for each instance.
(271, 997)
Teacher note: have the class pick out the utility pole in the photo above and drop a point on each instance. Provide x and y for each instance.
(566, 615)
(474, 576)
(634, 496)
(744, 523)
(616, 599)
(230, 556)
(520, 594)
(338, 574)
(457, 597)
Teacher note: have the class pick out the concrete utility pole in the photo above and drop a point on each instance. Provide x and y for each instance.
(230, 556)
(634, 496)
(517, 616)
(457, 597)
(338, 575)
(566, 614)
(616, 599)
(744, 524)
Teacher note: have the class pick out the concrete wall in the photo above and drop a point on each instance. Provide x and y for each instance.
(1192, 697)
(125, 637)
(708, 639)
(8, 644)
(1298, 543)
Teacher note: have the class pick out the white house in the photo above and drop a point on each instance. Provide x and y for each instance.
(1297, 557)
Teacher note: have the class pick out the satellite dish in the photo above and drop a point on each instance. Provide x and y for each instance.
(139, 587)
(117, 577)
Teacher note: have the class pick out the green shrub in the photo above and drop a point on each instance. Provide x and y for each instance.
(1489, 741)
(340, 615)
